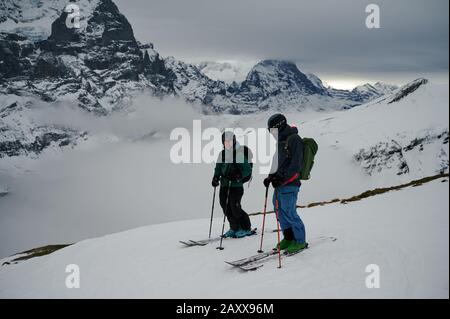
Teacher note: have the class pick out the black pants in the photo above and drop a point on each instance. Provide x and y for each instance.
(236, 216)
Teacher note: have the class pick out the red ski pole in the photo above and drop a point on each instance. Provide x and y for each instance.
(264, 219)
(278, 228)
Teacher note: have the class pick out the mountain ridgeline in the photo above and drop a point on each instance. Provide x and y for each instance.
(101, 64)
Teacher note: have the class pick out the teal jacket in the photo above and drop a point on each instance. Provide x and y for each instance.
(226, 164)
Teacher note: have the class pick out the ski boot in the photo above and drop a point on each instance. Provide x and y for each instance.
(242, 233)
(284, 244)
(295, 247)
(229, 234)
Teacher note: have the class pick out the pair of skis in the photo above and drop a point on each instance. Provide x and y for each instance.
(257, 261)
(204, 242)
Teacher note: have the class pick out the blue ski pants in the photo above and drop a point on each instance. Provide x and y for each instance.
(287, 211)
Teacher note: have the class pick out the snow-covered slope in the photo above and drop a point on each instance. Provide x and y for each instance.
(377, 144)
(150, 263)
(374, 145)
(392, 138)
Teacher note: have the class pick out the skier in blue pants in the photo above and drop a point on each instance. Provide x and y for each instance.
(290, 222)
(285, 179)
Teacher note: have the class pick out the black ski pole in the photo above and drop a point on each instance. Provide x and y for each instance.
(224, 216)
(212, 211)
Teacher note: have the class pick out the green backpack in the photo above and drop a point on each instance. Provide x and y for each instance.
(310, 148)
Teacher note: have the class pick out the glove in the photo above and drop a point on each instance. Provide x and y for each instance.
(215, 181)
(267, 181)
(276, 182)
(274, 179)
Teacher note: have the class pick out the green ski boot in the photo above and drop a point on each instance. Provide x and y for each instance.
(295, 247)
(284, 244)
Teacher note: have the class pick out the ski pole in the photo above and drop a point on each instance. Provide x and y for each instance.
(264, 219)
(212, 211)
(224, 216)
(278, 228)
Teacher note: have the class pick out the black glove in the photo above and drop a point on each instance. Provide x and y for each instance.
(215, 181)
(277, 182)
(267, 181)
(274, 179)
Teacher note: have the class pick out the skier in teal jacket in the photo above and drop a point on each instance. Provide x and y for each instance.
(232, 170)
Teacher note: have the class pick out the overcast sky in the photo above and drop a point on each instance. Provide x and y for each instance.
(325, 37)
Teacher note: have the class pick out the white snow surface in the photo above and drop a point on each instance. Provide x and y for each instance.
(121, 177)
(405, 233)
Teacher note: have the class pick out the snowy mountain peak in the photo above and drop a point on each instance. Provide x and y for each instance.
(95, 63)
(227, 71)
(378, 88)
(367, 92)
(100, 20)
(33, 18)
(274, 76)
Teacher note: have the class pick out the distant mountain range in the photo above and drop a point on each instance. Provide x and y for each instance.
(100, 65)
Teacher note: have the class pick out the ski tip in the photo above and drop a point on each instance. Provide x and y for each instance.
(250, 268)
(198, 243)
(186, 244)
(230, 263)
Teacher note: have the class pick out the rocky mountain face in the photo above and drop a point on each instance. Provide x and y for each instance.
(98, 64)
(394, 155)
(431, 145)
(270, 84)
